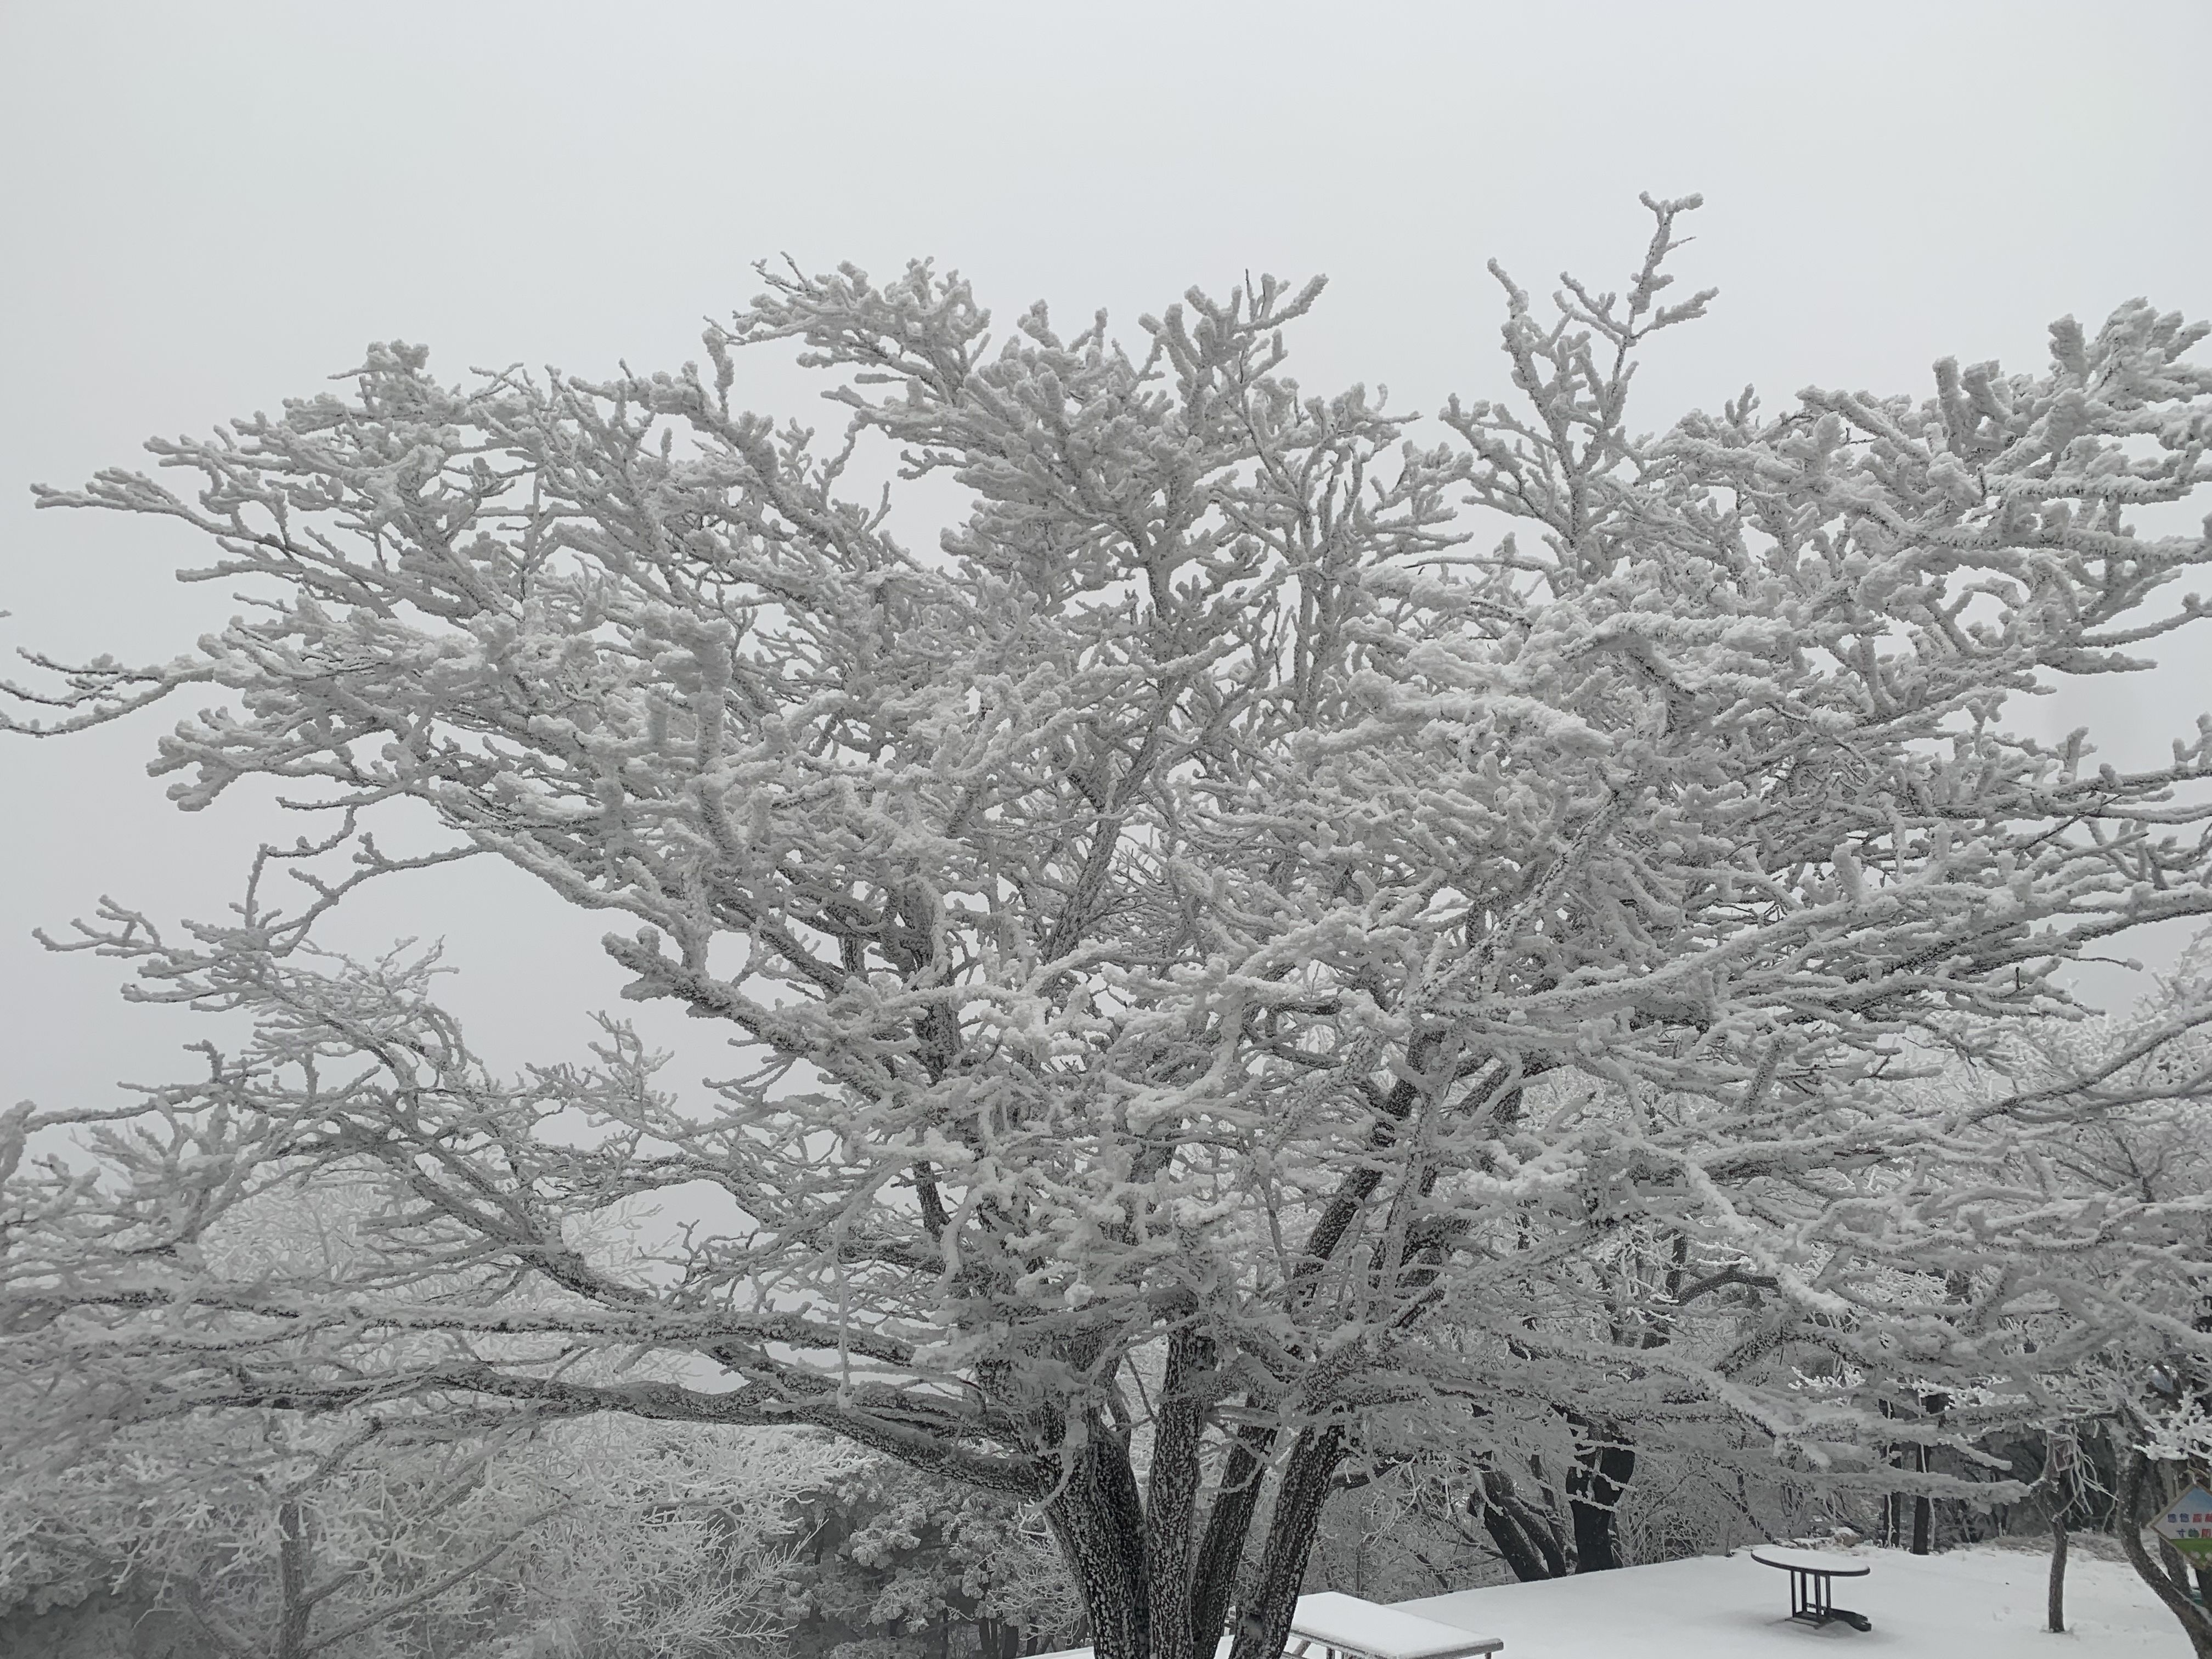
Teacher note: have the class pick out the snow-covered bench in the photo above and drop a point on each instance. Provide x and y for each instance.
(1333, 1625)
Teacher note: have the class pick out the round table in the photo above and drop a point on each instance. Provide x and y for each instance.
(1811, 1572)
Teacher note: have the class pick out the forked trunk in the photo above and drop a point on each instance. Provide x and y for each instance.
(1263, 1621)
(1155, 1585)
(1523, 1534)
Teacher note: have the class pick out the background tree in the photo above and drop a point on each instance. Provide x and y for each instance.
(403, 1533)
(1439, 1521)
(374, 1538)
(1213, 916)
(2133, 1153)
(887, 1563)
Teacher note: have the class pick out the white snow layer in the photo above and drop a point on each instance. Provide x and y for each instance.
(1976, 1603)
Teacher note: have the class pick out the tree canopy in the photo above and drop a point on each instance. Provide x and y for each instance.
(1227, 954)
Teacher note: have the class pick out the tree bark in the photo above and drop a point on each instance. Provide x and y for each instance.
(1522, 1536)
(2058, 1477)
(1221, 1548)
(1263, 1622)
(1923, 1510)
(1171, 1495)
(2056, 1600)
(1147, 1593)
(1099, 1522)
(1923, 1506)
(293, 1554)
(1594, 1488)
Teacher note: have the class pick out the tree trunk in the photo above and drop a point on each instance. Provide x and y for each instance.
(1594, 1488)
(2057, 1596)
(2195, 1623)
(2059, 1455)
(1923, 1507)
(1171, 1497)
(1147, 1594)
(1263, 1621)
(1100, 1525)
(1523, 1537)
(1221, 1547)
(295, 1610)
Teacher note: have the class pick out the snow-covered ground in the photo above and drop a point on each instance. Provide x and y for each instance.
(1979, 1603)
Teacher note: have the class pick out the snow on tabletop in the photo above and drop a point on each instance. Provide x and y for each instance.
(1978, 1603)
(1833, 1561)
(1347, 1622)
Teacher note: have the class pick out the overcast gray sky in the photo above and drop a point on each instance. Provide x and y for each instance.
(210, 207)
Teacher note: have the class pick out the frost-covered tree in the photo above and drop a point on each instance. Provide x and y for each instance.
(402, 1532)
(2127, 1166)
(884, 1562)
(361, 1536)
(1230, 957)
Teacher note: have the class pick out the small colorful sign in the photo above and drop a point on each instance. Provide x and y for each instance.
(2187, 1525)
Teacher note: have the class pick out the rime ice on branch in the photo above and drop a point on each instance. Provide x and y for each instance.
(1235, 970)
